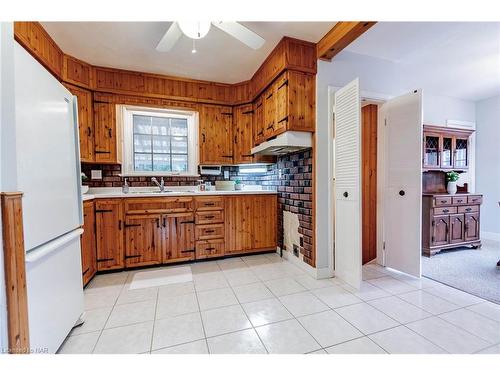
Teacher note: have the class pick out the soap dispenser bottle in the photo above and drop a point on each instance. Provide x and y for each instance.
(125, 187)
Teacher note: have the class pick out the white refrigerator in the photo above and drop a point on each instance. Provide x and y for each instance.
(48, 173)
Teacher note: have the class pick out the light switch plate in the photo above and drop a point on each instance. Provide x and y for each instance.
(226, 175)
(96, 174)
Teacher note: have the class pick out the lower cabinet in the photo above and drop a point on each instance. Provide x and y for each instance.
(88, 243)
(109, 234)
(178, 237)
(471, 227)
(251, 223)
(148, 231)
(143, 240)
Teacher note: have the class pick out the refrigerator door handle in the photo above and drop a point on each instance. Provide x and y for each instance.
(76, 133)
(45, 249)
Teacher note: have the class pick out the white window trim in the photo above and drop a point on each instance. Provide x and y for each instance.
(126, 112)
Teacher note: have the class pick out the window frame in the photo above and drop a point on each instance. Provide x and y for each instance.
(127, 112)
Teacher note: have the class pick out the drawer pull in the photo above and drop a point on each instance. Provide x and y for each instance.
(209, 217)
(132, 225)
(187, 222)
(105, 260)
(102, 211)
(132, 256)
(446, 211)
(443, 201)
(283, 119)
(210, 248)
(209, 231)
(187, 251)
(468, 209)
(209, 204)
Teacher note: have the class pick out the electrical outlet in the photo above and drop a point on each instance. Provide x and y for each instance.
(295, 250)
(96, 174)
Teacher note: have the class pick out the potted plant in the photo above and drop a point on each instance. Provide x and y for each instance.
(452, 178)
(238, 185)
(85, 188)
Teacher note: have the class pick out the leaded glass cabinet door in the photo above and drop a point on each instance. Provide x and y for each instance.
(431, 150)
(447, 152)
(461, 157)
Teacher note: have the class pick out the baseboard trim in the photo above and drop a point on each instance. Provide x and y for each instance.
(317, 273)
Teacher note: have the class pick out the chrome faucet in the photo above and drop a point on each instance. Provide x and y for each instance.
(161, 184)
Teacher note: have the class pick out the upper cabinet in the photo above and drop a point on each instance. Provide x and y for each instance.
(445, 148)
(77, 72)
(216, 134)
(85, 122)
(107, 142)
(287, 104)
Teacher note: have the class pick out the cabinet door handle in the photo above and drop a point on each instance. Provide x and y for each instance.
(89, 131)
(203, 137)
(157, 222)
(260, 133)
(132, 225)
(119, 225)
(236, 139)
(283, 119)
(283, 84)
(165, 222)
(269, 96)
(110, 133)
(270, 126)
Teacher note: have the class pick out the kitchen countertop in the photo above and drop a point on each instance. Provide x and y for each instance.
(177, 191)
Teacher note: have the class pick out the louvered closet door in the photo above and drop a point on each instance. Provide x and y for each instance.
(347, 171)
(401, 121)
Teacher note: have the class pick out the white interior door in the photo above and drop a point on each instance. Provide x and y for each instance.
(347, 187)
(401, 120)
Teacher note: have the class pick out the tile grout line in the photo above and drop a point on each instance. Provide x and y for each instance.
(154, 320)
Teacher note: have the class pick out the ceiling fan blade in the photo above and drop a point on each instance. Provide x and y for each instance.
(171, 37)
(242, 33)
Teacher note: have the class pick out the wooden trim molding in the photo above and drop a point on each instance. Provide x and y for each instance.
(339, 37)
(15, 272)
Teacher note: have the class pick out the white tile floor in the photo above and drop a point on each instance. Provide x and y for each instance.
(263, 304)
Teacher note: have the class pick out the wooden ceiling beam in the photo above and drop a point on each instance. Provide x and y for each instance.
(339, 37)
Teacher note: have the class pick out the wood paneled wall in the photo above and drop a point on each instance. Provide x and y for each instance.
(289, 53)
(15, 272)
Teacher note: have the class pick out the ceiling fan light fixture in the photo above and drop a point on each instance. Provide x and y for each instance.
(195, 29)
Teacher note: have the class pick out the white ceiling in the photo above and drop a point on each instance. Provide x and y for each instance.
(455, 59)
(131, 46)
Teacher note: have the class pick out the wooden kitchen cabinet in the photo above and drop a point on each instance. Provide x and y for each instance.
(107, 143)
(270, 106)
(88, 243)
(258, 121)
(216, 134)
(85, 122)
(178, 237)
(143, 240)
(251, 223)
(109, 234)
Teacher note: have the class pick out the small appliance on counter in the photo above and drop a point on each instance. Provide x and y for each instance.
(224, 185)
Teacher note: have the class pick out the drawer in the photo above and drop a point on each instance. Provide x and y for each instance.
(476, 199)
(467, 209)
(209, 232)
(158, 205)
(459, 200)
(445, 210)
(209, 249)
(209, 217)
(209, 203)
(442, 201)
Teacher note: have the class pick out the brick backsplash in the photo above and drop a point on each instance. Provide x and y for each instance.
(294, 189)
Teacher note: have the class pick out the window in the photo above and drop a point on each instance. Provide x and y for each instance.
(159, 142)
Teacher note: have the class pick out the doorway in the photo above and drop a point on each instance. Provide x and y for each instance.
(369, 113)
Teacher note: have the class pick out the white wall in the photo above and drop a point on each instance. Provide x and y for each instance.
(7, 143)
(376, 76)
(488, 164)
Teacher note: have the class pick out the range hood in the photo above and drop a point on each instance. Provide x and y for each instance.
(285, 143)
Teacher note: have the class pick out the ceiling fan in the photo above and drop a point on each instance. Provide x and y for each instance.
(199, 29)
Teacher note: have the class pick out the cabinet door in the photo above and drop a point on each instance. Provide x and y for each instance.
(281, 103)
(431, 150)
(88, 243)
(216, 140)
(178, 237)
(264, 217)
(461, 153)
(446, 152)
(85, 122)
(109, 229)
(440, 230)
(105, 133)
(143, 235)
(239, 223)
(243, 137)
(472, 226)
(269, 111)
(258, 121)
(457, 227)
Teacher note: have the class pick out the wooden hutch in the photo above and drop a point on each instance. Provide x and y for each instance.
(448, 221)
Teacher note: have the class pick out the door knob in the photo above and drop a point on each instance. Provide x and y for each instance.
(346, 194)
(401, 192)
